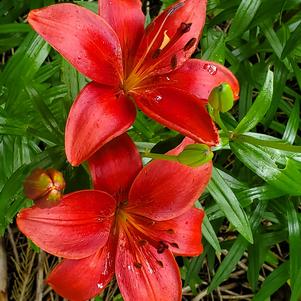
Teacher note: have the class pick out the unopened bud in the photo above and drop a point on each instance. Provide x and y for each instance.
(221, 98)
(44, 187)
(195, 155)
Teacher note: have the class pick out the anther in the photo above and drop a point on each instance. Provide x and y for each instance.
(189, 44)
(137, 265)
(185, 27)
(173, 62)
(161, 247)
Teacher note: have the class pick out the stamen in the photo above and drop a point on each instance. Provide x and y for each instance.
(189, 44)
(161, 247)
(137, 265)
(173, 62)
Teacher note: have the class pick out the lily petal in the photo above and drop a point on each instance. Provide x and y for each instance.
(143, 274)
(82, 279)
(179, 111)
(164, 189)
(97, 116)
(198, 78)
(114, 167)
(171, 38)
(83, 38)
(76, 228)
(182, 234)
(127, 19)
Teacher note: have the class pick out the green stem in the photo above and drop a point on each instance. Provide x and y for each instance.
(269, 143)
(159, 156)
(218, 120)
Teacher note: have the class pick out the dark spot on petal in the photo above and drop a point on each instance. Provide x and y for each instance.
(185, 27)
(162, 246)
(142, 242)
(137, 265)
(174, 62)
(170, 231)
(189, 44)
(160, 263)
(156, 53)
(175, 245)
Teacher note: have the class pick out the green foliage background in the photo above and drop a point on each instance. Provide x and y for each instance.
(252, 203)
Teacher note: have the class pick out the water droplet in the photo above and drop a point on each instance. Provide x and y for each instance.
(157, 98)
(100, 285)
(167, 78)
(212, 70)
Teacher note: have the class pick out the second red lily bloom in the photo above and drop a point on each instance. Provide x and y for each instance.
(129, 226)
(129, 65)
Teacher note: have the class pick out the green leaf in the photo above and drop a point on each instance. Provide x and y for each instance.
(292, 42)
(273, 282)
(259, 107)
(228, 203)
(292, 126)
(243, 17)
(210, 235)
(294, 232)
(236, 251)
(262, 163)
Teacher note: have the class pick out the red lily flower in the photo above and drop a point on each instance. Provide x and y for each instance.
(129, 226)
(128, 65)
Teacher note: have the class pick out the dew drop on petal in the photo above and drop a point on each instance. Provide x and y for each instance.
(157, 98)
(212, 70)
(100, 285)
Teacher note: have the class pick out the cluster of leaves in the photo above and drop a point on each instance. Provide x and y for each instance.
(252, 203)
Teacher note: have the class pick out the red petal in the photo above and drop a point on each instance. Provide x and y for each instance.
(115, 166)
(183, 38)
(182, 234)
(199, 77)
(82, 279)
(76, 228)
(83, 38)
(97, 116)
(164, 189)
(179, 111)
(143, 274)
(127, 19)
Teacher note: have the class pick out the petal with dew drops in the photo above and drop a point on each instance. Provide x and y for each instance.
(76, 228)
(198, 78)
(82, 279)
(171, 38)
(97, 116)
(83, 38)
(182, 234)
(127, 19)
(164, 189)
(114, 167)
(143, 274)
(179, 111)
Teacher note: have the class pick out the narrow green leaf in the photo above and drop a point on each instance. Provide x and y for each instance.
(235, 253)
(210, 235)
(293, 41)
(273, 282)
(259, 107)
(243, 17)
(14, 27)
(228, 203)
(296, 291)
(292, 126)
(294, 231)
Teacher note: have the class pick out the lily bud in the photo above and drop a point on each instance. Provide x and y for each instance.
(44, 187)
(221, 98)
(195, 155)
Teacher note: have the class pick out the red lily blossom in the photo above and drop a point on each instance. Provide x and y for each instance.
(129, 226)
(129, 65)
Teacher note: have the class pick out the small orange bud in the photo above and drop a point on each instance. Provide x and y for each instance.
(44, 187)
